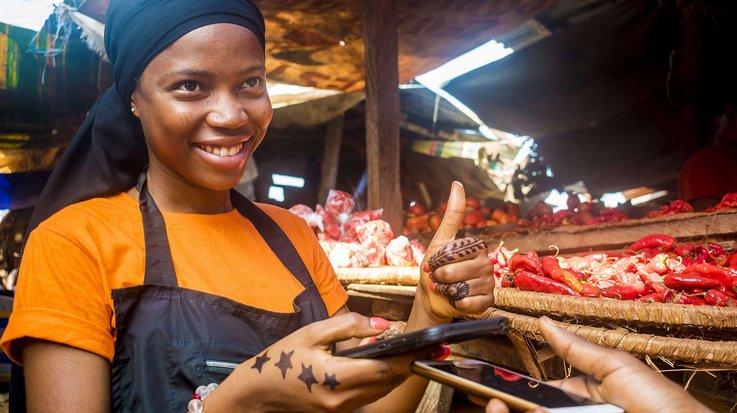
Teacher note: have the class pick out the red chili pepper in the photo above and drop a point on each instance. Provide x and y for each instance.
(534, 257)
(660, 241)
(522, 262)
(733, 285)
(733, 261)
(589, 290)
(529, 281)
(621, 292)
(715, 249)
(507, 280)
(690, 299)
(679, 206)
(552, 269)
(727, 291)
(728, 201)
(650, 298)
(725, 277)
(717, 298)
(689, 282)
(663, 296)
(684, 249)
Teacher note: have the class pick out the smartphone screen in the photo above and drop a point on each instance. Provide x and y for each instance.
(518, 391)
(428, 338)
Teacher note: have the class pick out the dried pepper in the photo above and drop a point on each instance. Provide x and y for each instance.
(529, 281)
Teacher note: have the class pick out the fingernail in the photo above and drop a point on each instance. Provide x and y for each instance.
(373, 340)
(440, 353)
(432, 286)
(378, 323)
(425, 267)
(457, 183)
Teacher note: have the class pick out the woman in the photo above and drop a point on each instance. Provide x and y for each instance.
(145, 276)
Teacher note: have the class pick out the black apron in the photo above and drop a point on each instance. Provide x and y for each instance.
(169, 340)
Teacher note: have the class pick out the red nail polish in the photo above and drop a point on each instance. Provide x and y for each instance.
(441, 353)
(378, 323)
(432, 286)
(425, 267)
(373, 340)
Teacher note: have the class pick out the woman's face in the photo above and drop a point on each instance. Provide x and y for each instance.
(204, 107)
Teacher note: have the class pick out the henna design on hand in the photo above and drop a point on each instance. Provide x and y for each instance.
(260, 361)
(454, 251)
(307, 377)
(285, 363)
(455, 291)
(330, 381)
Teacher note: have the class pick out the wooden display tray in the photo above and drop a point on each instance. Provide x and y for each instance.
(717, 226)
(379, 275)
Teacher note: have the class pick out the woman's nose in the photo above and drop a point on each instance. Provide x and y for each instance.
(227, 112)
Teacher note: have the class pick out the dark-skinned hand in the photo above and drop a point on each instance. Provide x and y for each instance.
(456, 276)
(612, 376)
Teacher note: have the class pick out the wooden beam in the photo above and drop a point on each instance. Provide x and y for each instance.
(382, 110)
(330, 157)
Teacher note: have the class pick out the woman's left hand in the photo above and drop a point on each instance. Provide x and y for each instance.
(456, 276)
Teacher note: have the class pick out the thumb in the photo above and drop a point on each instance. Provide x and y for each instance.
(452, 220)
(346, 326)
(585, 356)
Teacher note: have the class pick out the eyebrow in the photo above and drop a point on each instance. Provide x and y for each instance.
(205, 73)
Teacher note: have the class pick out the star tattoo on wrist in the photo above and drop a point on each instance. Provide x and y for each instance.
(260, 361)
(284, 363)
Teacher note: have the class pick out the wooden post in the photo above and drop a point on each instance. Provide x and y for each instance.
(382, 110)
(330, 157)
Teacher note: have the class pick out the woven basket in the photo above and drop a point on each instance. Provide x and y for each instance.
(618, 311)
(689, 350)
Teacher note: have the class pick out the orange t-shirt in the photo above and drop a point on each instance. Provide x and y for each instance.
(74, 259)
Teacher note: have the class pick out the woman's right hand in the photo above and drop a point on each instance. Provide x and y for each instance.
(299, 373)
(613, 376)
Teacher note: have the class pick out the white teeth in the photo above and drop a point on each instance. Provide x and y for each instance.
(222, 150)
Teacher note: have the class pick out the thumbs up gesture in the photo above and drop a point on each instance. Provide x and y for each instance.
(456, 276)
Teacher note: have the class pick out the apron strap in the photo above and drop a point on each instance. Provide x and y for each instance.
(274, 237)
(159, 265)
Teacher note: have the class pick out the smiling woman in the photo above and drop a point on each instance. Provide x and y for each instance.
(146, 276)
(203, 111)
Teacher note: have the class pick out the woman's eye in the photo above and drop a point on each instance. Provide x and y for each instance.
(253, 82)
(189, 86)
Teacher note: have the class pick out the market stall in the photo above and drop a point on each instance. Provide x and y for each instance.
(682, 320)
(377, 251)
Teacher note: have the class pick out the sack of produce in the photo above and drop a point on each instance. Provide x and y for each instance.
(399, 252)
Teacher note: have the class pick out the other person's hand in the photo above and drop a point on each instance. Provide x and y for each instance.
(299, 373)
(612, 376)
(456, 276)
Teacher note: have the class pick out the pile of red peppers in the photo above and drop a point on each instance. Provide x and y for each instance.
(653, 269)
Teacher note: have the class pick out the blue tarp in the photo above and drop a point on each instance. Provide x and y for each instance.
(21, 190)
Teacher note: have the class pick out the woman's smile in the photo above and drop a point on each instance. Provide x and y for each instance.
(221, 150)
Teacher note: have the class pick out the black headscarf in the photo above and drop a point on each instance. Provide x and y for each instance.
(108, 152)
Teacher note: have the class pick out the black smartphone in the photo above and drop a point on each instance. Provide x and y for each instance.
(517, 391)
(428, 338)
